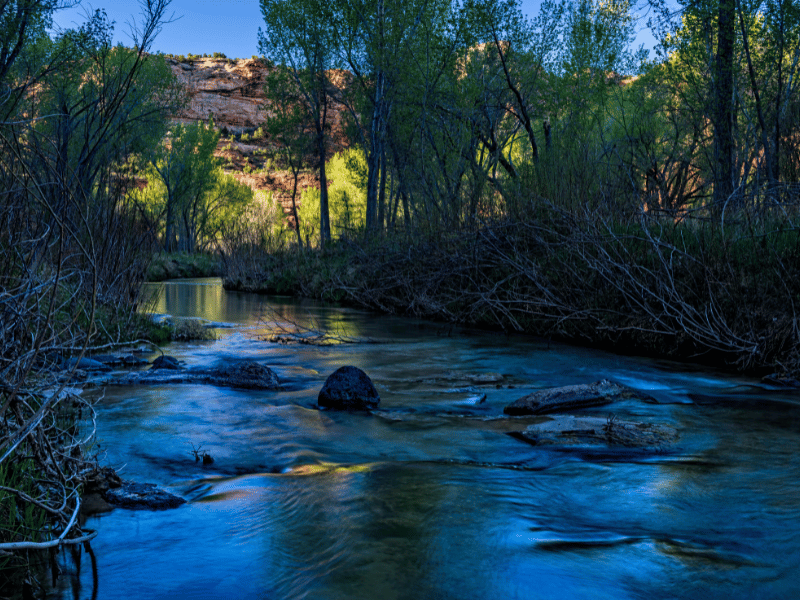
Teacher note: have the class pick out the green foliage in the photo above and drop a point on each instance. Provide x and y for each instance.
(20, 520)
(187, 192)
(347, 194)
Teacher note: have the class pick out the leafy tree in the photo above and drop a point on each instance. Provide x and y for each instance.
(286, 125)
(189, 192)
(299, 36)
(73, 111)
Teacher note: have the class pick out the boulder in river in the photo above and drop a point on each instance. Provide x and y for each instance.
(247, 375)
(348, 388)
(569, 397)
(567, 430)
(166, 362)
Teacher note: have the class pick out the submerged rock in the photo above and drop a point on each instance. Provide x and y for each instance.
(348, 388)
(84, 364)
(569, 397)
(246, 374)
(103, 490)
(141, 495)
(567, 430)
(116, 360)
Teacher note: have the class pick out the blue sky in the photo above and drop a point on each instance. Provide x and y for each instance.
(203, 26)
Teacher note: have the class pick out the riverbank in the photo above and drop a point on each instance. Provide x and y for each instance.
(180, 265)
(691, 291)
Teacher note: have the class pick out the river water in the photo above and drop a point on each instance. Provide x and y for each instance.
(430, 498)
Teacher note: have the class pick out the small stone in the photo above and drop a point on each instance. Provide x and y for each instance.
(141, 495)
(84, 364)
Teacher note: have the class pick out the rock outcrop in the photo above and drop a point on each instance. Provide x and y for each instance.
(232, 91)
(348, 388)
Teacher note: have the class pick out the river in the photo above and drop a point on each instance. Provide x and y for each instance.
(431, 499)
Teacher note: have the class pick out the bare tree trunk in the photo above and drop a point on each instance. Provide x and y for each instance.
(723, 92)
(324, 213)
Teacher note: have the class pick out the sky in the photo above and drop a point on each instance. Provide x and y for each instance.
(204, 26)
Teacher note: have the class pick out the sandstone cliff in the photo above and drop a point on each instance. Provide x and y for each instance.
(232, 92)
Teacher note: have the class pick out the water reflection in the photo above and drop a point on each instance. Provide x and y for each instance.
(431, 498)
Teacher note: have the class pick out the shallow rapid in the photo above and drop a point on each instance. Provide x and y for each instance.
(430, 497)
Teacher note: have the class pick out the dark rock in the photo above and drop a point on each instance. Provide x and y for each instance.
(781, 380)
(568, 398)
(84, 364)
(348, 388)
(166, 362)
(567, 430)
(116, 360)
(247, 375)
(101, 480)
(93, 504)
(141, 495)
(131, 360)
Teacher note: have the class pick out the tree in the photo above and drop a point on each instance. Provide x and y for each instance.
(286, 126)
(72, 111)
(184, 166)
(724, 102)
(299, 36)
(744, 50)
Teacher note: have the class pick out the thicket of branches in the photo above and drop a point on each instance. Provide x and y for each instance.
(74, 109)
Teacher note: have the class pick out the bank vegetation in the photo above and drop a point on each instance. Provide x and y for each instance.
(542, 175)
(77, 116)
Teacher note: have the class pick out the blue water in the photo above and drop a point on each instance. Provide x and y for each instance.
(430, 498)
